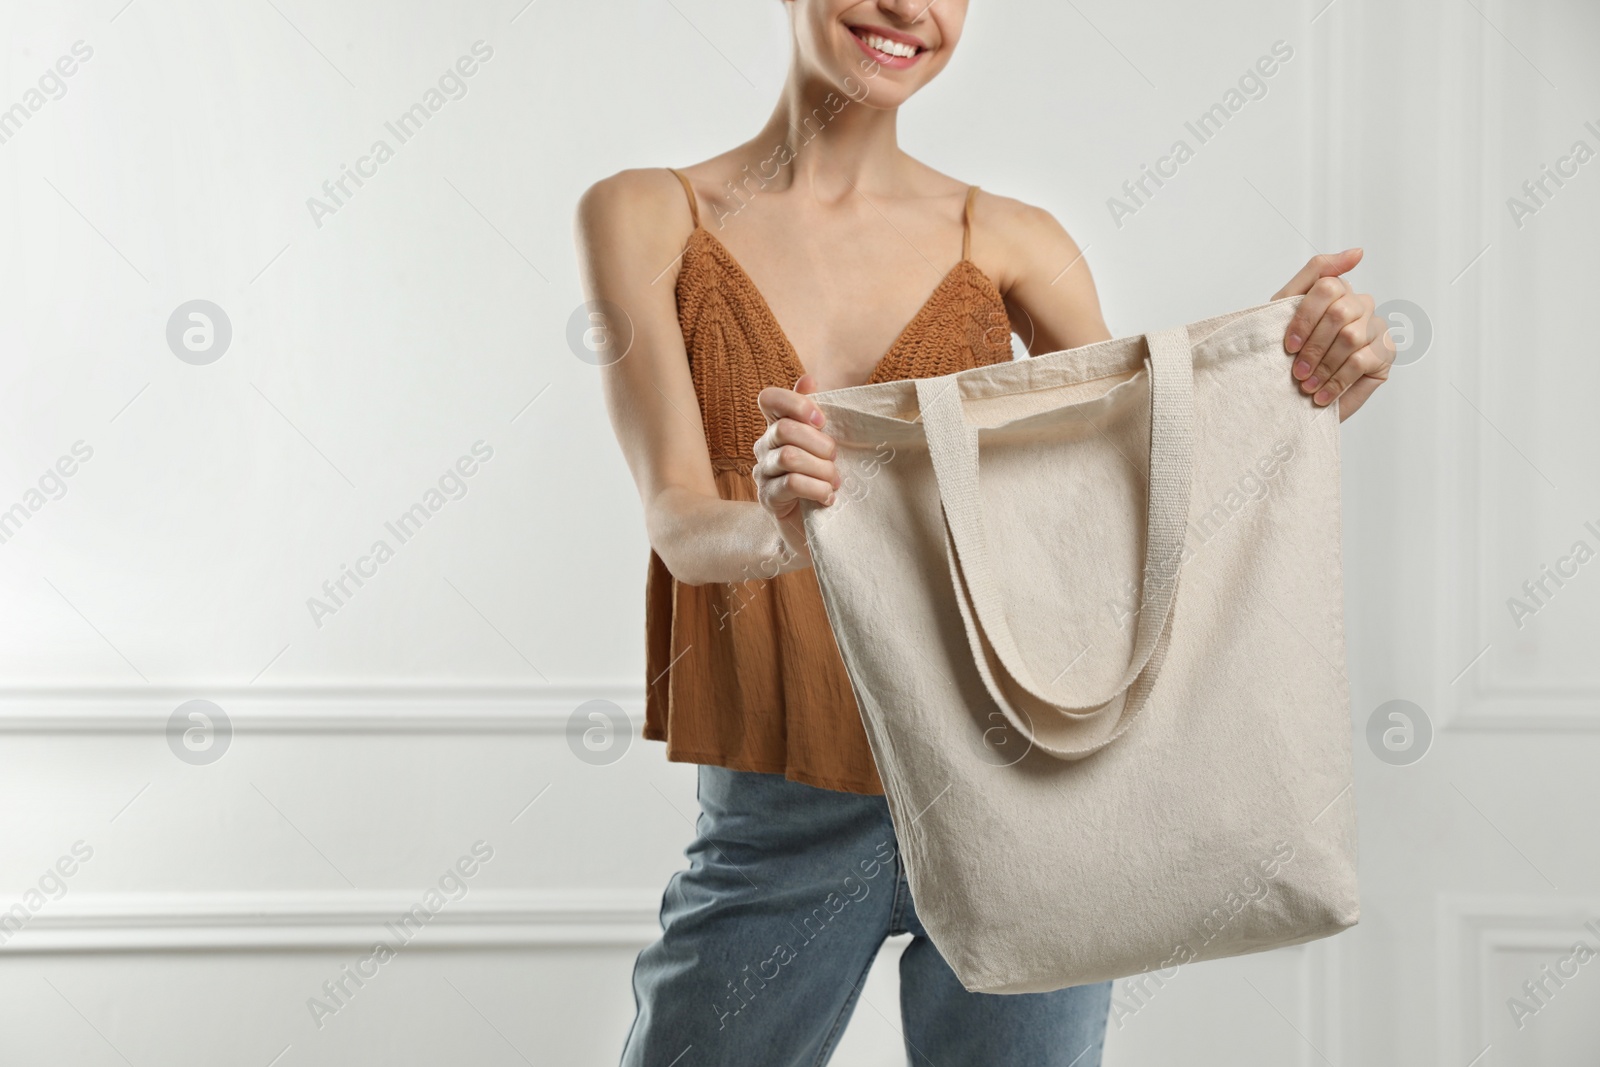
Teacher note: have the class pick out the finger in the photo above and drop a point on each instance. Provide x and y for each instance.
(782, 494)
(1314, 304)
(776, 403)
(1319, 266)
(792, 459)
(1344, 328)
(1368, 361)
(1386, 349)
(791, 432)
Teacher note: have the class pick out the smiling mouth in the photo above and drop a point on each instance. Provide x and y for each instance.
(886, 46)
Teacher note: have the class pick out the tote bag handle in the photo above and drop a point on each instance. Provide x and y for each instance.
(1079, 724)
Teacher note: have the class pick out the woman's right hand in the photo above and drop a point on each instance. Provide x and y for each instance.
(794, 459)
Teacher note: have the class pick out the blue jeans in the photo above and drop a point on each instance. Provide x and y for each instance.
(768, 936)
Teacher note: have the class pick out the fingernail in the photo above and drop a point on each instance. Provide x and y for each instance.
(1323, 397)
(1310, 384)
(816, 418)
(1301, 368)
(1295, 341)
(829, 502)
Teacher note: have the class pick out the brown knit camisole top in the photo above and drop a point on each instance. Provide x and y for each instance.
(746, 675)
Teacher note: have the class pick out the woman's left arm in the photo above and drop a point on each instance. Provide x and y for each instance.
(1049, 293)
(1343, 349)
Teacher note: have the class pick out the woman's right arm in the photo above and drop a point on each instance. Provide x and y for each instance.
(631, 230)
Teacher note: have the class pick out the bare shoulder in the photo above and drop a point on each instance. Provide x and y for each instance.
(1040, 270)
(637, 194)
(1023, 239)
(639, 211)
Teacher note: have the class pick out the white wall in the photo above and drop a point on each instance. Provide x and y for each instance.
(373, 346)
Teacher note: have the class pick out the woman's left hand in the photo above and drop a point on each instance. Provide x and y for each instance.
(1342, 350)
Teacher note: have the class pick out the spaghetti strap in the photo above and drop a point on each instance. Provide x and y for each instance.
(966, 222)
(694, 203)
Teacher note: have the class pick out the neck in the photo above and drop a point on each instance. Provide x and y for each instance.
(835, 143)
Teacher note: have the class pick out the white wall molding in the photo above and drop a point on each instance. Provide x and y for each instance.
(1470, 930)
(358, 708)
(1323, 1020)
(1476, 84)
(1334, 203)
(1559, 713)
(275, 921)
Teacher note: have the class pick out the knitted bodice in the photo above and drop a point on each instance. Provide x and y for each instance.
(737, 348)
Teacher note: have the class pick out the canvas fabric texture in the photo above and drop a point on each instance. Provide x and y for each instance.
(1090, 605)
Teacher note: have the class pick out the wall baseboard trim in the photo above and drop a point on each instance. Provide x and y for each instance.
(278, 921)
(349, 708)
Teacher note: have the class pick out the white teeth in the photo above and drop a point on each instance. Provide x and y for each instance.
(893, 48)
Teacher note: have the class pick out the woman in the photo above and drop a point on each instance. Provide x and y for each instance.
(794, 879)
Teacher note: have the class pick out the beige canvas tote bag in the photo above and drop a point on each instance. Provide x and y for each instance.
(1090, 604)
